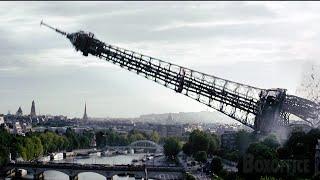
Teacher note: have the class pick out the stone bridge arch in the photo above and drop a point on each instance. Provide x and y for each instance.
(55, 170)
(102, 173)
(36, 172)
(105, 175)
(69, 172)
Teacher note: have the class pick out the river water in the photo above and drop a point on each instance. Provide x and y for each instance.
(112, 160)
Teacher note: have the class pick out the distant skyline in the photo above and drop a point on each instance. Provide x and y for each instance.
(263, 44)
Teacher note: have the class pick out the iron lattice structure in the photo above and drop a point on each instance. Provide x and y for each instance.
(236, 100)
(257, 108)
(302, 108)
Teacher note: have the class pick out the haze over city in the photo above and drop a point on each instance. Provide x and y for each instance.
(263, 44)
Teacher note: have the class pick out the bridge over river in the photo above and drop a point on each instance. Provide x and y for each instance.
(108, 171)
(140, 145)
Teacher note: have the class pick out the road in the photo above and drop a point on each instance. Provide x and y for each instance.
(201, 176)
(229, 165)
(193, 170)
(159, 161)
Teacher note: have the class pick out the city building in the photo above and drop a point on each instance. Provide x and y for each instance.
(162, 130)
(59, 130)
(1, 120)
(192, 127)
(17, 129)
(26, 127)
(169, 119)
(33, 110)
(175, 130)
(228, 140)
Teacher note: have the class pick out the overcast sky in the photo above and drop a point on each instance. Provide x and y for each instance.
(264, 44)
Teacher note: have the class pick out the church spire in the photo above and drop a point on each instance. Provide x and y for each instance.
(33, 110)
(85, 116)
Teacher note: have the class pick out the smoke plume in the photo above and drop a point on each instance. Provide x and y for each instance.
(310, 82)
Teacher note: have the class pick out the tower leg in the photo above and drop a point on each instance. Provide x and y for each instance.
(73, 177)
(269, 118)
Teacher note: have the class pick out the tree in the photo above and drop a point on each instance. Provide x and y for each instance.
(216, 165)
(199, 141)
(38, 148)
(213, 144)
(172, 147)
(271, 141)
(34, 145)
(115, 139)
(243, 140)
(296, 144)
(258, 154)
(187, 148)
(188, 176)
(135, 135)
(155, 137)
(30, 147)
(101, 139)
(73, 139)
(232, 156)
(201, 156)
(6, 141)
(4, 156)
(261, 151)
(84, 141)
(301, 146)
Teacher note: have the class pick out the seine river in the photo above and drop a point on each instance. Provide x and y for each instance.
(118, 159)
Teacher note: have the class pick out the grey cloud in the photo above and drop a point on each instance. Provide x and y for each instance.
(168, 9)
